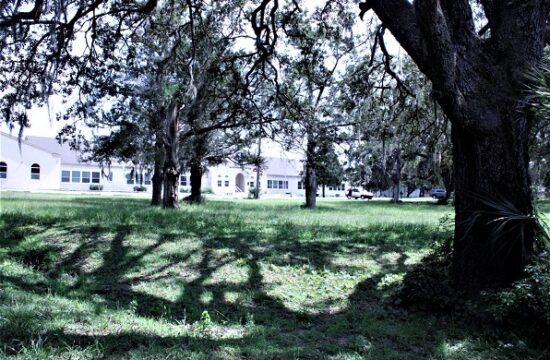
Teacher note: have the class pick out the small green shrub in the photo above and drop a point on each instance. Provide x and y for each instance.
(526, 305)
(185, 190)
(252, 192)
(207, 191)
(205, 323)
(96, 187)
(140, 188)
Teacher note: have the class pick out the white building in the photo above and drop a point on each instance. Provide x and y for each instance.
(40, 163)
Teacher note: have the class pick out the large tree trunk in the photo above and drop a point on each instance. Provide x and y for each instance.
(171, 176)
(310, 182)
(196, 182)
(171, 168)
(491, 176)
(478, 81)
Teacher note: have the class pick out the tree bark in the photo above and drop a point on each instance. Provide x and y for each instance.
(158, 176)
(258, 169)
(396, 177)
(171, 168)
(448, 181)
(491, 175)
(310, 182)
(196, 183)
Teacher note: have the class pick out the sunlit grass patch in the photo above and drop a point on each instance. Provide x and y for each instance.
(92, 277)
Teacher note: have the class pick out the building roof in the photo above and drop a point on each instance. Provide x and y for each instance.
(23, 141)
(283, 167)
(68, 156)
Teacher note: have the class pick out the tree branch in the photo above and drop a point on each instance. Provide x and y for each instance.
(399, 16)
(435, 30)
(34, 14)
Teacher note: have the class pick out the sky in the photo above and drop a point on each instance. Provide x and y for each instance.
(44, 123)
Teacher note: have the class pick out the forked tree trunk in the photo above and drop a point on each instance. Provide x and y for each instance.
(171, 172)
(196, 183)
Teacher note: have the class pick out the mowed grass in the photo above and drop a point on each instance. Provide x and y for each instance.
(111, 277)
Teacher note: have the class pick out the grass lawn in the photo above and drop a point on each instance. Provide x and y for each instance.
(90, 277)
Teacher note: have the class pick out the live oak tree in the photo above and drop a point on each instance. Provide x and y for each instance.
(43, 42)
(478, 76)
(328, 168)
(319, 44)
(397, 135)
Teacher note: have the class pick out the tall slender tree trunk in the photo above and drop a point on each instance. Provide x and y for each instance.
(171, 168)
(323, 187)
(396, 176)
(448, 182)
(196, 182)
(158, 175)
(310, 181)
(258, 169)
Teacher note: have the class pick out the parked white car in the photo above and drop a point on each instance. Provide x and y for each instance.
(359, 194)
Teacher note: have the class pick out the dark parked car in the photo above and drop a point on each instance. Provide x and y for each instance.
(438, 193)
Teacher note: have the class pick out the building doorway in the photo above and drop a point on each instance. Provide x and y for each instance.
(239, 183)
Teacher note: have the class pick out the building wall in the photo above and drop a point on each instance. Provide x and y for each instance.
(19, 161)
(113, 179)
(221, 180)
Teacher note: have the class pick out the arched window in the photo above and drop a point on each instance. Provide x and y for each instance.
(3, 170)
(35, 172)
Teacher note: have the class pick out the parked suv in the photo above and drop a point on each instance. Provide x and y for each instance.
(438, 193)
(358, 194)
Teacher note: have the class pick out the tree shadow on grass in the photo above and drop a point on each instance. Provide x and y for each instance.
(359, 324)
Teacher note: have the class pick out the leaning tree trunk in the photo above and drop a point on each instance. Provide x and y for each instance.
(196, 182)
(171, 169)
(310, 181)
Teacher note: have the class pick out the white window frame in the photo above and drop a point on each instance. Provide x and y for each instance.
(67, 178)
(95, 177)
(3, 170)
(86, 179)
(35, 175)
